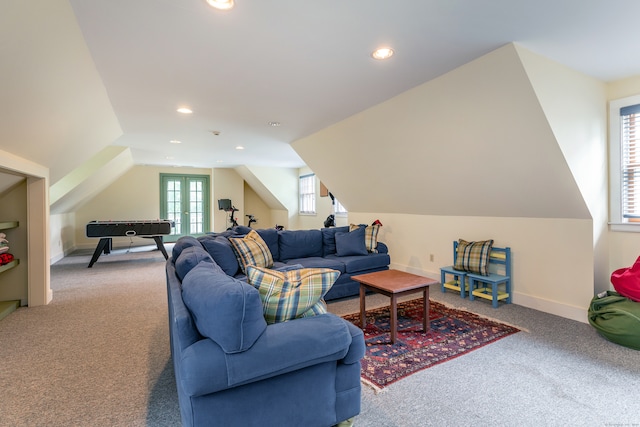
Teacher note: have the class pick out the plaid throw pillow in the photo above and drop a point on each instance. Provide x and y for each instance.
(292, 294)
(251, 250)
(370, 236)
(473, 256)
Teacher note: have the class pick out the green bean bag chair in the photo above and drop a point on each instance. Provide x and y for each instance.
(616, 318)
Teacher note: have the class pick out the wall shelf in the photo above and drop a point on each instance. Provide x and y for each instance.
(3, 226)
(8, 224)
(9, 266)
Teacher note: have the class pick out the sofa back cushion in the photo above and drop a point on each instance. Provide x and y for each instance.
(190, 257)
(224, 309)
(329, 239)
(270, 237)
(299, 244)
(220, 250)
(182, 243)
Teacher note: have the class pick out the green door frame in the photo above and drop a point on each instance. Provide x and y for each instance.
(185, 199)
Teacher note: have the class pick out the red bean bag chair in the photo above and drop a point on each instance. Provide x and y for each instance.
(626, 281)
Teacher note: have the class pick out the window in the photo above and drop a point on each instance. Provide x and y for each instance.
(307, 191)
(624, 122)
(338, 209)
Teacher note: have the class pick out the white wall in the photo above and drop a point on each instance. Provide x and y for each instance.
(28, 204)
(470, 155)
(624, 247)
(323, 208)
(133, 196)
(575, 106)
(227, 184)
(62, 230)
(255, 206)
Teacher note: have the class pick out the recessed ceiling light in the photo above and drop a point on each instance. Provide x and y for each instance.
(274, 124)
(184, 110)
(175, 141)
(221, 4)
(239, 147)
(382, 53)
(215, 132)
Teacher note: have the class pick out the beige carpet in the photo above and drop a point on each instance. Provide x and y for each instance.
(98, 355)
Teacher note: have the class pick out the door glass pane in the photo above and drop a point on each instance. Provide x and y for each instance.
(196, 224)
(174, 205)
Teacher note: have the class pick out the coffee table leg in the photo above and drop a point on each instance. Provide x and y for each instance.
(425, 310)
(394, 318)
(362, 308)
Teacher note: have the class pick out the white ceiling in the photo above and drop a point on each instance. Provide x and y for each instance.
(307, 64)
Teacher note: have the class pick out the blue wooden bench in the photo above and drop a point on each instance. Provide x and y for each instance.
(495, 287)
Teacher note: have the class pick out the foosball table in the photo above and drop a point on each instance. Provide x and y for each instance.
(106, 230)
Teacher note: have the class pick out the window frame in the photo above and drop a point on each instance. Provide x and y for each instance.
(312, 194)
(336, 208)
(617, 221)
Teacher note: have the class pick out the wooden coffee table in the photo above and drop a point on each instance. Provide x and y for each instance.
(394, 283)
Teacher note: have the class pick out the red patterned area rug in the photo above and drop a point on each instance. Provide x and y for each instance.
(453, 333)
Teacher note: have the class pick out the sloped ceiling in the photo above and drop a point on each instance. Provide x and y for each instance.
(55, 110)
(88, 180)
(307, 64)
(474, 142)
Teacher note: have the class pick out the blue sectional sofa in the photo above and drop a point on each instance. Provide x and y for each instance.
(232, 368)
(309, 248)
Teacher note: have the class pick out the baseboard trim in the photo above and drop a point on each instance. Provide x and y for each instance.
(579, 314)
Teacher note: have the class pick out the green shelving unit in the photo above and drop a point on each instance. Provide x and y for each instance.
(9, 266)
(8, 307)
(8, 224)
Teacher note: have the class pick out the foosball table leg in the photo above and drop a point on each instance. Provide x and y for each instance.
(160, 244)
(104, 245)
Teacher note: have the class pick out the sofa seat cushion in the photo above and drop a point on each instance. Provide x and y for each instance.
(299, 244)
(206, 369)
(288, 295)
(224, 309)
(222, 253)
(354, 264)
(333, 263)
(251, 250)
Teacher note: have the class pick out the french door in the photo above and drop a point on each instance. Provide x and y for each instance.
(184, 199)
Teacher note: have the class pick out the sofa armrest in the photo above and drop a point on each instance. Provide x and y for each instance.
(283, 347)
(357, 348)
(382, 248)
